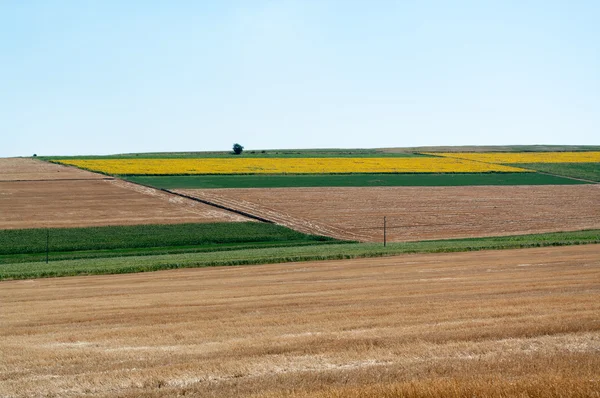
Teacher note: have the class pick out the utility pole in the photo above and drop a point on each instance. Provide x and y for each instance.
(47, 243)
(384, 231)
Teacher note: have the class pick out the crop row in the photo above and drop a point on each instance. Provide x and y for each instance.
(287, 166)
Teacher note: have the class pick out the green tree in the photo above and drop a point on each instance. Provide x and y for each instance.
(237, 149)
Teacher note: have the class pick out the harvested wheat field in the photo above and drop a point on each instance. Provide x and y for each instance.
(497, 323)
(417, 213)
(25, 169)
(82, 203)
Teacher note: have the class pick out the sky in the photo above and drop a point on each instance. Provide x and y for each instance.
(109, 76)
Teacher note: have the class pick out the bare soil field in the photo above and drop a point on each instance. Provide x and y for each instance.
(25, 169)
(95, 202)
(496, 324)
(418, 213)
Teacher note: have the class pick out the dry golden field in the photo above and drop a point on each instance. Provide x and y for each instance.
(520, 323)
(417, 213)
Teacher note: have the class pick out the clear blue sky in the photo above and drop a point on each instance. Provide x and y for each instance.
(98, 77)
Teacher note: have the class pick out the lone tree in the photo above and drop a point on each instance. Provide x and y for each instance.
(237, 149)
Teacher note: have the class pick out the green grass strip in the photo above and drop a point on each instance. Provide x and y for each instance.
(349, 180)
(120, 265)
(145, 251)
(586, 171)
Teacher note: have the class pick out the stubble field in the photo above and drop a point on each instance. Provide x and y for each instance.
(417, 213)
(497, 323)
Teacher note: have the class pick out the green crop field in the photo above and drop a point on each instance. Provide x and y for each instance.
(158, 250)
(22, 244)
(586, 171)
(349, 180)
(144, 263)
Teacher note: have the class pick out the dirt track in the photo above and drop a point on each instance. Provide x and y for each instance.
(44, 195)
(494, 324)
(416, 213)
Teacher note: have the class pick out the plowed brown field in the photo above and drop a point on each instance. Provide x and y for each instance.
(493, 323)
(34, 194)
(417, 213)
(24, 169)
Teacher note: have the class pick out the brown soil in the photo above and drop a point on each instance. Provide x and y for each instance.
(417, 213)
(25, 169)
(495, 324)
(82, 203)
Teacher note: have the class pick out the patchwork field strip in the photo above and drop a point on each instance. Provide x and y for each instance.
(286, 166)
(447, 324)
(418, 213)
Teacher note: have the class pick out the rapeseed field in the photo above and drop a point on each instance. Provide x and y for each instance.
(287, 166)
(525, 157)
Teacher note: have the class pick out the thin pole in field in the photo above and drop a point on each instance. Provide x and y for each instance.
(47, 243)
(384, 231)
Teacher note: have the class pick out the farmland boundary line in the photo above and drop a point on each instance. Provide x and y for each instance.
(240, 212)
(537, 171)
(572, 178)
(206, 202)
(281, 218)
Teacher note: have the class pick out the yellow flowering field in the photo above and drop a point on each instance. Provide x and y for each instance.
(286, 166)
(526, 157)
